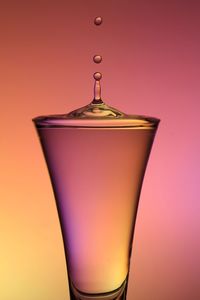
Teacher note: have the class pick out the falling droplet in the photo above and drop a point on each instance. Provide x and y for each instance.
(97, 76)
(97, 88)
(98, 21)
(97, 59)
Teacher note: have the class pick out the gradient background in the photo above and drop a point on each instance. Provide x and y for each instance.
(151, 65)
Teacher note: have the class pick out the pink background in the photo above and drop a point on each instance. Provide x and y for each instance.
(151, 65)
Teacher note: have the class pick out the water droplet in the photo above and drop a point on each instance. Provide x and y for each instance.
(98, 21)
(97, 76)
(97, 59)
(97, 88)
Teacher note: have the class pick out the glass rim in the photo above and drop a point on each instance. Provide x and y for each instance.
(64, 121)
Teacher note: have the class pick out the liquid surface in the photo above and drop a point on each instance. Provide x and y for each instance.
(97, 116)
(97, 176)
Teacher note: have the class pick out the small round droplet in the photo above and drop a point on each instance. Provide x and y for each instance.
(98, 21)
(97, 76)
(97, 59)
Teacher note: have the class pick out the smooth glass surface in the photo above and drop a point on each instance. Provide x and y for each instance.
(96, 173)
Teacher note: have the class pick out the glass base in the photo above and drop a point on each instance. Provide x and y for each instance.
(118, 294)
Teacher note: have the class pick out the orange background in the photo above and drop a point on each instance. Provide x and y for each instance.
(151, 65)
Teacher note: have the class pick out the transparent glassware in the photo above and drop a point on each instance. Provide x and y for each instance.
(96, 157)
